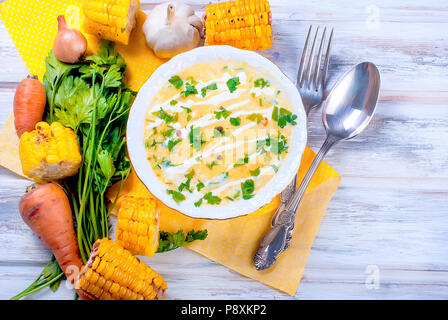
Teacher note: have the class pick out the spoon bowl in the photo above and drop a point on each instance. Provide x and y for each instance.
(352, 102)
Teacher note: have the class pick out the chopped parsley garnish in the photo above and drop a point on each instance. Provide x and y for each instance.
(241, 162)
(274, 167)
(247, 189)
(200, 185)
(186, 184)
(152, 144)
(187, 110)
(172, 143)
(196, 138)
(177, 196)
(222, 113)
(192, 81)
(165, 163)
(255, 117)
(237, 194)
(165, 116)
(235, 121)
(168, 132)
(176, 81)
(212, 86)
(212, 164)
(283, 117)
(170, 241)
(211, 199)
(189, 90)
(188, 117)
(255, 172)
(173, 102)
(278, 144)
(232, 83)
(261, 83)
(198, 203)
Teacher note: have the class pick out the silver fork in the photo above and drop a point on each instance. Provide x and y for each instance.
(311, 82)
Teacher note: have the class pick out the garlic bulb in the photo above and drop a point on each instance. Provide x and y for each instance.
(171, 28)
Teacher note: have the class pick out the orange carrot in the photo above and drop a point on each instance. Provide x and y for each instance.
(29, 104)
(46, 210)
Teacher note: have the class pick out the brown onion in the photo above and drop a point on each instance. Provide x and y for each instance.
(70, 45)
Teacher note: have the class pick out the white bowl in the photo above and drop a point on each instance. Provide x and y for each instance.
(136, 123)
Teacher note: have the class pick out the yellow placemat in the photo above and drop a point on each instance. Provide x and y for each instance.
(232, 242)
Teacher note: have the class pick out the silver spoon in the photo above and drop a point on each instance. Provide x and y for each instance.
(346, 112)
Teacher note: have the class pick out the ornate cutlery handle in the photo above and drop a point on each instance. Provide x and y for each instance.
(278, 238)
(285, 195)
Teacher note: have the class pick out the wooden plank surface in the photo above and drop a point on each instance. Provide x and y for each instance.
(389, 216)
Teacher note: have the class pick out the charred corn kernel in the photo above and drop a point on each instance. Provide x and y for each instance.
(50, 152)
(119, 275)
(110, 19)
(244, 24)
(138, 225)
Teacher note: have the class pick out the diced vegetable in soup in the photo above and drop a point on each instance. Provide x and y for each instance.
(217, 133)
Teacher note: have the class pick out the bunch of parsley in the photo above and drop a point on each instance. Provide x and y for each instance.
(92, 99)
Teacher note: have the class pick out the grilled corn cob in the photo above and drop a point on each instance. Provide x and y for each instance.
(110, 19)
(50, 152)
(113, 273)
(244, 24)
(138, 225)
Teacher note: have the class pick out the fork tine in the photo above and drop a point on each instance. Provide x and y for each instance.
(323, 75)
(310, 60)
(316, 72)
(302, 59)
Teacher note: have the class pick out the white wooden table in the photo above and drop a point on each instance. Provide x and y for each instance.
(385, 234)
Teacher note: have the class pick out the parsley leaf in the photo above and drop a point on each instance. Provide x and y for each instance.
(261, 83)
(235, 121)
(165, 116)
(255, 172)
(247, 189)
(173, 102)
(198, 203)
(177, 196)
(212, 164)
(241, 162)
(222, 113)
(196, 138)
(255, 117)
(211, 199)
(189, 90)
(170, 241)
(199, 186)
(278, 144)
(186, 184)
(212, 86)
(172, 143)
(283, 117)
(232, 83)
(187, 110)
(176, 81)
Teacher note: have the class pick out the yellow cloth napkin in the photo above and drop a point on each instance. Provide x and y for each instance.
(32, 26)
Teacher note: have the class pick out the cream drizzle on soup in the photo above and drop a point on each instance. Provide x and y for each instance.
(217, 132)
